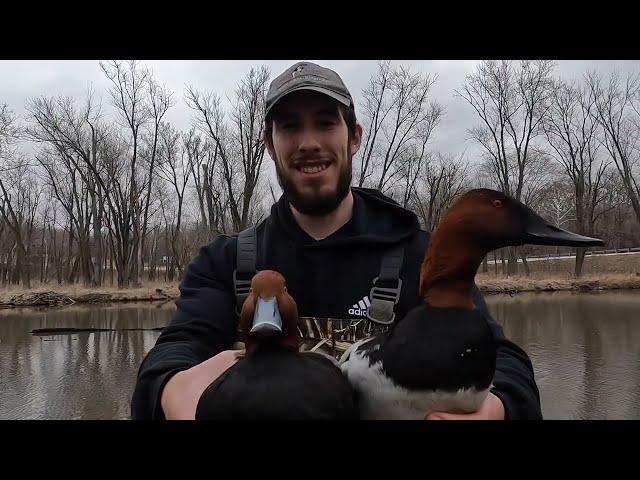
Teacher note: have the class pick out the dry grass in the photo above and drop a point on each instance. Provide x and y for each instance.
(596, 265)
(610, 281)
(80, 294)
(600, 273)
(604, 272)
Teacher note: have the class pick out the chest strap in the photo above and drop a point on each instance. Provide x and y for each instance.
(386, 288)
(245, 265)
(383, 296)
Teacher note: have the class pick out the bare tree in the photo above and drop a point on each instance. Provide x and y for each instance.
(128, 95)
(18, 196)
(572, 132)
(399, 120)
(615, 220)
(158, 103)
(70, 138)
(441, 181)
(115, 167)
(63, 179)
(617, 105)
(175, 170)
(19, 199)
(511, 102)
(238, 146)
(208, 185)
(376, 108)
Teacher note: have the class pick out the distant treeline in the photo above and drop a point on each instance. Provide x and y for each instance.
(116, 194)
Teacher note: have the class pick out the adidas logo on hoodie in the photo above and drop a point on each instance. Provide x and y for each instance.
(360, 308)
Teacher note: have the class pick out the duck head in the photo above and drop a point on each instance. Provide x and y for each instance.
(478, 222)
(269, 314)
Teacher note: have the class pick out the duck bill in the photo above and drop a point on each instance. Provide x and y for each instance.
(266, 319)
(539, 232)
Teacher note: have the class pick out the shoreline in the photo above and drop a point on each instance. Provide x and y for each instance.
(58, 295)
(589, 283)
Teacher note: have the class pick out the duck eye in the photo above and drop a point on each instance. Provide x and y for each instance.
(497, 203)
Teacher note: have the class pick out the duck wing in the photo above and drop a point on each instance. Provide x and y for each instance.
(433, 360)
(279, 385)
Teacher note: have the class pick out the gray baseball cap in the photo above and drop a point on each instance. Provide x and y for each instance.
(307, 76)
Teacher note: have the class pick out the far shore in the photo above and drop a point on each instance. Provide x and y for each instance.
(57, 295)
(489, 284)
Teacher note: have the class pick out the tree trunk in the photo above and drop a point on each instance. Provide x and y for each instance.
(43, 253)
(57, 257)
(23, 267)
(580, 253)
(111, 267)
(512, 267)
(523, 255)
(69, 254)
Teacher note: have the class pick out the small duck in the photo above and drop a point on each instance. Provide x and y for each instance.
(442, 355)
(274, 380)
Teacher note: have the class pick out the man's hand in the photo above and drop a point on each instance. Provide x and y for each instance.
(491, 409)
(181, 394)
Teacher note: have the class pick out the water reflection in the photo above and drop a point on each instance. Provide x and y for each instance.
(585, 349)
(88, 375)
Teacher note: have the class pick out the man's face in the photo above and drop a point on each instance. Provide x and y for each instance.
(312, 151)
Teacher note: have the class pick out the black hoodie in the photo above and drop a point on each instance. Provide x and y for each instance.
(327, 278)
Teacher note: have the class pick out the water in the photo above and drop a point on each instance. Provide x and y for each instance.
(585, 349)
(74, 376)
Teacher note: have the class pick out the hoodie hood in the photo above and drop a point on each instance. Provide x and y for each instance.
(376, 219)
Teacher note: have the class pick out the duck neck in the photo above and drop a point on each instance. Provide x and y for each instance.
(449, 269)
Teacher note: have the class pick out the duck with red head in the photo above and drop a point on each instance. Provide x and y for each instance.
(274, 381)
(441, 356)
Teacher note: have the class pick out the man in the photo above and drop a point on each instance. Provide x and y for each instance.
(326, 238)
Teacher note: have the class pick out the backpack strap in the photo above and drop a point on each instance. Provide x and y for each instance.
(386, 288)
(245, 265)
(384, 294)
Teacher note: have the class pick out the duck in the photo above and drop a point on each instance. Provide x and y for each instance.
(274, 379)
(441, 357)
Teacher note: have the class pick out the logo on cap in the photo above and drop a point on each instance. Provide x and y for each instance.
(297, 70)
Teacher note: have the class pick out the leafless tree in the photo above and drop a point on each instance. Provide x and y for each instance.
(238, 146)
(511, 101)
(175, 170)
(572, 132)
(209, 188)
(19, 198)
(442, 180)
(69, 137)
(158, 103)
(377, 106)
(399, 120)
(617, 109)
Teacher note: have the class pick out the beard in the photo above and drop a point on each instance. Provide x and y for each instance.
(316, 203)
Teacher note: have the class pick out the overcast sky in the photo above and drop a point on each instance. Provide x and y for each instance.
(22, 79)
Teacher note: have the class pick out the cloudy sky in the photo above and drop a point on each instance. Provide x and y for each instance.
(20, 80)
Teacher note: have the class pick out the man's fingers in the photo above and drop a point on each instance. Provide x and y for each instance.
(452, 416)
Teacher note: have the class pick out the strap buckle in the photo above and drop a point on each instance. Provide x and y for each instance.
(383, 299)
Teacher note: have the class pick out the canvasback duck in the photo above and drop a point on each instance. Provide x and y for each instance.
(442, 355)
(274, 380)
